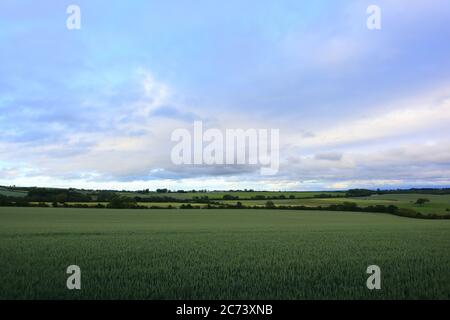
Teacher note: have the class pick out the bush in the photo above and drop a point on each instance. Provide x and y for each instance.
(422, 201)
(270, 204)
(230, 197)
(359, 193)
(120, 202)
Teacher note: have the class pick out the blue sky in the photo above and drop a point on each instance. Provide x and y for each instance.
(95, 107)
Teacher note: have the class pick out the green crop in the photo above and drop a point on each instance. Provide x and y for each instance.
(220, 254)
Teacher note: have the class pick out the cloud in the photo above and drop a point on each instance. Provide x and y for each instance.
(330, 156)
(417, 114)
(120, 156)
(354, 107)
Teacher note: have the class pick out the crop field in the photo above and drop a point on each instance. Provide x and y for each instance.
(220, 254)
(438, 203)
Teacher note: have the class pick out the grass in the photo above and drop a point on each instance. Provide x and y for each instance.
(220, 254)
(438, 203)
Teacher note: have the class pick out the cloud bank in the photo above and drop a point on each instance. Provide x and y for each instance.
(95, 108)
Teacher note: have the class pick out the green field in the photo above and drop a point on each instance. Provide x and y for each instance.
(220, 254)
(439, 204)
(218, 195)
(12, 193)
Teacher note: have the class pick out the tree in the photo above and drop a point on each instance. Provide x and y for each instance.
(422, 201)
(270, 204)
(120, 202)
(230, 197)
(259, 197)
(61, 198)
(359, 193)
(105, 196)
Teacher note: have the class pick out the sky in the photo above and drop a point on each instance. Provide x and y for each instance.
(95, 108)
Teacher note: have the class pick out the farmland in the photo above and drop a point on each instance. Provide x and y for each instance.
(439, 204)
(221, 254)
(12, 193)
(436, 202)
(218, 195)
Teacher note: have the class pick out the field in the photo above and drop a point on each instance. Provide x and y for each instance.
(438, 201)
(439, 204)
(218, 195)
(11, 193)
(220, 254)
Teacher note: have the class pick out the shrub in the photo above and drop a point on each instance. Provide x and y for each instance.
(270, 204)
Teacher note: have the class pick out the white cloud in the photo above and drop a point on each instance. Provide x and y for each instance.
(118, 158)
(410, 117)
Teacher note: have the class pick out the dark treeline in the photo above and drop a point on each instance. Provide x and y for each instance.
(368, 193)
(58, 195)
(6, 201)
(34, 194)
(346, 206)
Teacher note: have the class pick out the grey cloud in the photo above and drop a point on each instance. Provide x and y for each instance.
(330, 156)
